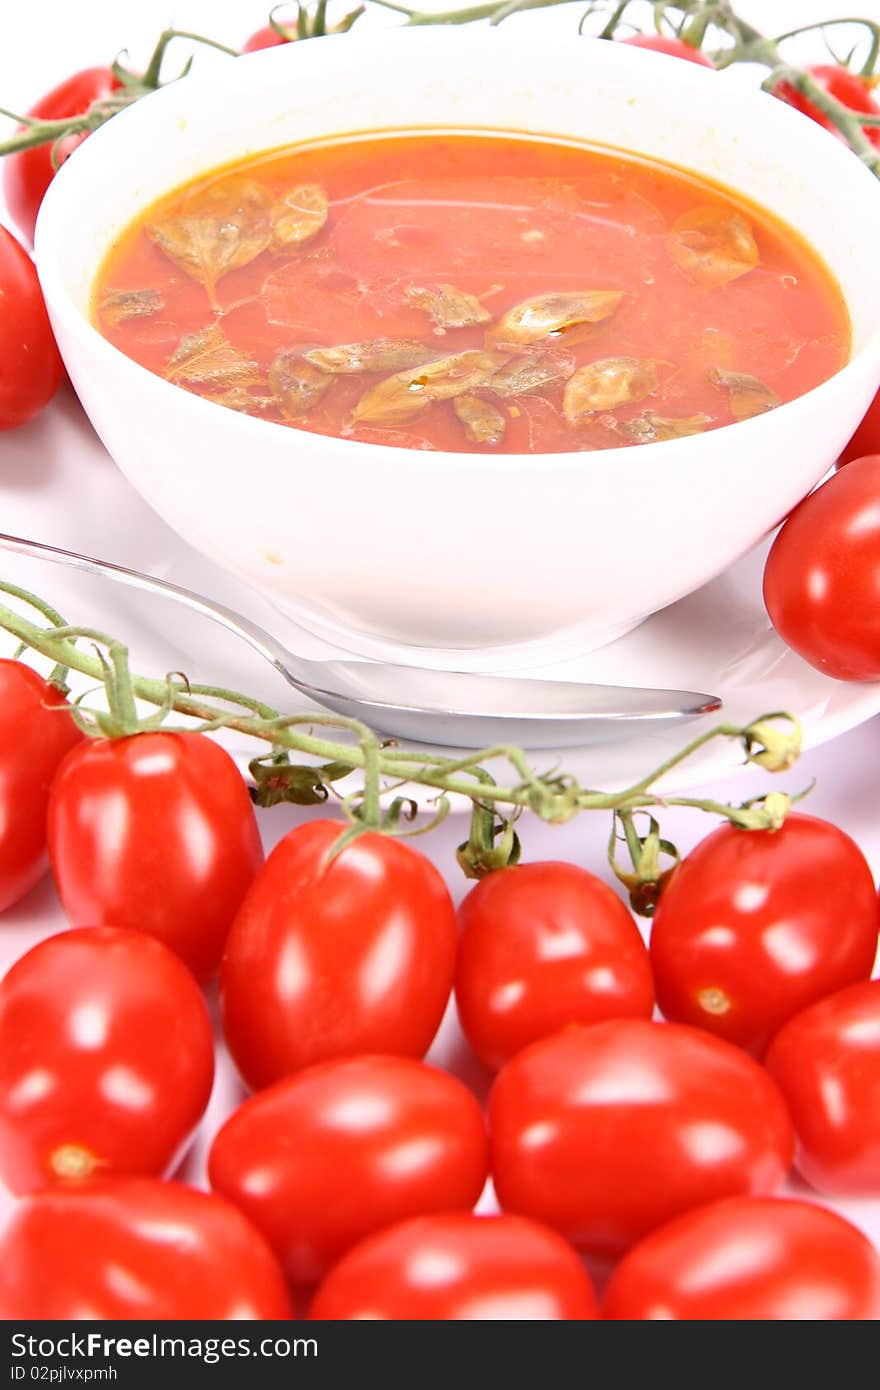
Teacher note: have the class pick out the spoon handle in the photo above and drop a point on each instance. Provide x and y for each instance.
(255, 636)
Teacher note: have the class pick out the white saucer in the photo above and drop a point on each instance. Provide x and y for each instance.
(60, 486)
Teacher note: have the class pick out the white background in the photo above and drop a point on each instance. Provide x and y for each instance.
(41, 43)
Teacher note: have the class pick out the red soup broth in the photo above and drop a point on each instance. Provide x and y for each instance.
(470, 292)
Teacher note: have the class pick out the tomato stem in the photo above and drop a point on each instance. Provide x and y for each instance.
(607, 31)
(152, 77)
(848, 122)
(646, 879)
(870, 63)
(555, 797)
(59, 673)
(690, 20)
(370, 807)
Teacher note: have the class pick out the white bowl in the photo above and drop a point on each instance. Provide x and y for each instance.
(473, 561)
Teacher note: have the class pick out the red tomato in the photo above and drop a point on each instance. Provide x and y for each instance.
(543, 946)
(459, 1267)
(106, 1058)
(866, 439)
(845, 86)
(606, 1132)
(325, 960)
(27, 175)
(135, 1249)
(676, 48)
(756, 924)
(157, 832)
(822, 575)
(35, 735)
(749, 1259)
(378, 1139)
(30, 364)
(266, 37)
(826, 1062)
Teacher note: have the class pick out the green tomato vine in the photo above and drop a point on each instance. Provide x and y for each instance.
(713, 26)
(376, 782)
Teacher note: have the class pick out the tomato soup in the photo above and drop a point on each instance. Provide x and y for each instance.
(472, 292)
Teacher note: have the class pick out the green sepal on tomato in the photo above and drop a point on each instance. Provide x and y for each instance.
(749, 1259)
(543, 946)
(455, 1267)
(155, 831)
(36, 734)
(754, 925)
(343, 1149)
(106, 1059)
(826, 1062)
(136, 1249)
(334, 955)
(822, 575)
(30, 364)
(606, 1132)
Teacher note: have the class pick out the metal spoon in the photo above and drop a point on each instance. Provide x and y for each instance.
(452, 708)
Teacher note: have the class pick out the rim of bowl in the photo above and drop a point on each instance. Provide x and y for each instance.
(50, 222)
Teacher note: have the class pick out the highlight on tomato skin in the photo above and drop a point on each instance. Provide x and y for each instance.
(30, 363)
(455, 1266)
(826, 1062)
(156, 832)
(35, 737)
(377, 903)
(106, 1059)
(543, 946)
(573, 1117)
(754, 925)
(749, 1258)
(138, 1249)
(327, 1157)
(822, 575)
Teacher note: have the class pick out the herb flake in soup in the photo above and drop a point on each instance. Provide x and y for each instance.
(472, 293)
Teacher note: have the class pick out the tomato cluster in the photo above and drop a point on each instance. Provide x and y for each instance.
(353, 1170)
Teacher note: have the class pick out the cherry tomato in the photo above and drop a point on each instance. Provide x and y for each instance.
(543, 946)
(106, 1058)
(328, 959)
(459, 1267)
(378, 1139)
(27, 174)
(266, 37)
(756, 924)
(749, 1259)
(826, 1062)
(608, 1131)
(866, 439)
(845, 86)
(30, 364)
(156, 832)
(135, 1249)
(676, 48)
(35, 735)
(822, 575)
